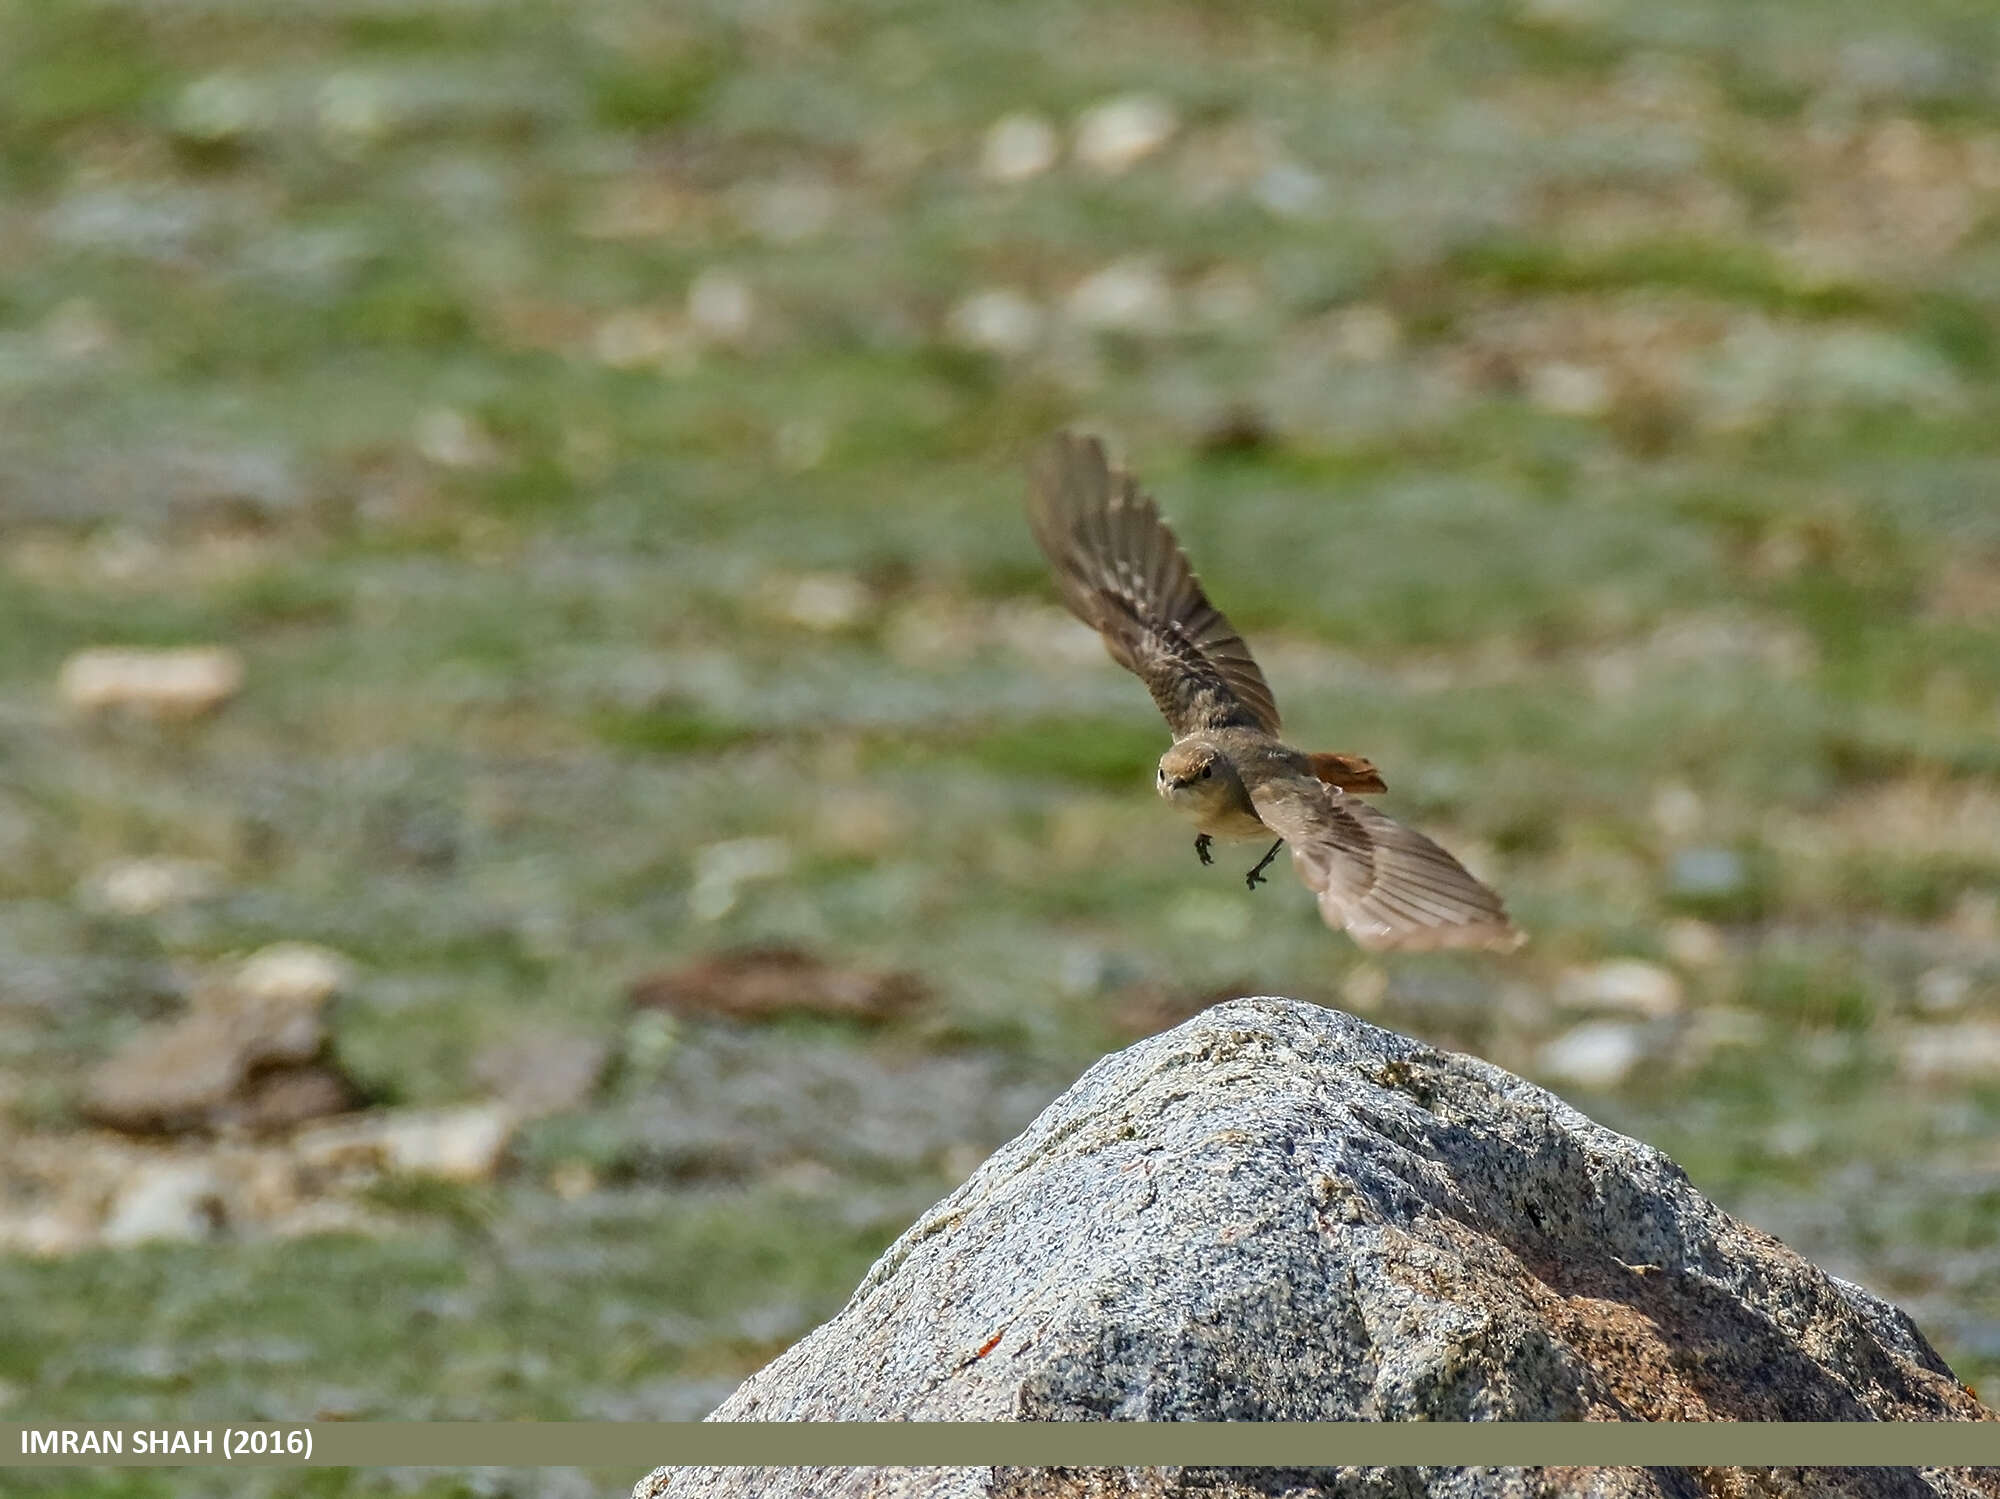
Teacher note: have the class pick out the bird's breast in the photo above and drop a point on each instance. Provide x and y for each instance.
(1216, 811)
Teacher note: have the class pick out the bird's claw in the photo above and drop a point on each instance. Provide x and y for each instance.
(1201, 842)
(1256, 876)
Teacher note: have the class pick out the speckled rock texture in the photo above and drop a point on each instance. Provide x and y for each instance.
(1277, 1212)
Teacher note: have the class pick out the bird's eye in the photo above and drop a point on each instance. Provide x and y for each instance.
(1205, 771)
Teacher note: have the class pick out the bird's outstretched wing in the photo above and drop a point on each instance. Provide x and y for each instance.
(1389, 886)
(1121, 571)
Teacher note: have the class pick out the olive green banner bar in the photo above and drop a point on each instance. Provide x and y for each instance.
(643, 1445)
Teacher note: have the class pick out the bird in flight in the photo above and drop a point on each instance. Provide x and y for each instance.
(1120, 570)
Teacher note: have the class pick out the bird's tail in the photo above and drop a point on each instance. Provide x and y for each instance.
(1348, 772)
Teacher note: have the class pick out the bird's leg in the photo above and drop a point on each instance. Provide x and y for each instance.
(1201, 843)
(1256, 876)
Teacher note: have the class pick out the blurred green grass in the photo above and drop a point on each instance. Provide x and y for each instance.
(568, 413)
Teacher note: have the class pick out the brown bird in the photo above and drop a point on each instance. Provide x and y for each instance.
(1120, 570)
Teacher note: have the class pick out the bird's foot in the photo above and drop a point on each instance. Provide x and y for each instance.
(1256, 876)
(1201, 843)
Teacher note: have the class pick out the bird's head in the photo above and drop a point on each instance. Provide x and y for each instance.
(1195, 772)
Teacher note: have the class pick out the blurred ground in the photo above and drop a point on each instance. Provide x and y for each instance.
(588, 443)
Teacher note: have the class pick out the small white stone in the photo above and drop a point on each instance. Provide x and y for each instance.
(120, 554)
(1942, 990)
(355, 110)
(721, 869)
(144, 887)
(721, 306)
(1018, 147)
(450, 438)
(1628, 984)
(462, 1144)
(998, 320)
(48, 1233)
(1596, 1054)
(1127, 296)
(167, 1200)
(1290, 191)
(744, 859)
(1366, 333)
(571, 1180)
(1119, 133)
(1568, 389)
(177, 683)
(217, 107)
(1364, 988)
(827, 601)
(633, 338)
(466, 1143)
(1965, 1051)
(294, 974)
(1792, 1139)
(1692, 943)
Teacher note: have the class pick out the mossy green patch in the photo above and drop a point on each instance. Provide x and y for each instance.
(1741, 273)
(1092, 751)
(660, 87)
(664, 731)
(1822, 994)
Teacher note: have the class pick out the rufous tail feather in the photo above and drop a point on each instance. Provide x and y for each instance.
(1348, 772)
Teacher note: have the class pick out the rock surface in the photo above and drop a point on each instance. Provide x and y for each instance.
(768, 982)
(73, 1191)
(161, 684)
(250, 1053)
(1279, 1212)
